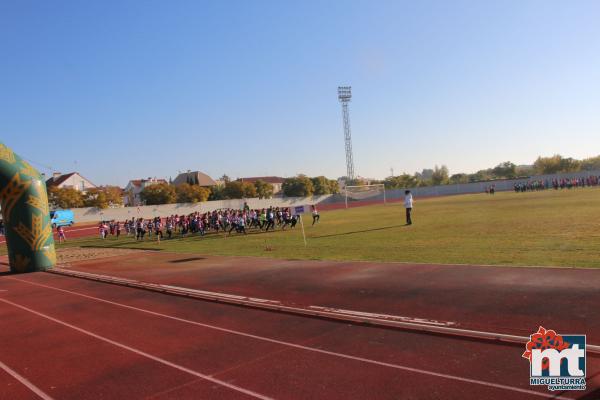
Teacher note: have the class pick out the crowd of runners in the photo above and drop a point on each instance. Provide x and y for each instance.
(225, 221)
(563, 183)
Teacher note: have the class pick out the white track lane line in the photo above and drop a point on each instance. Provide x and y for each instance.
(25, 382)
(298, 346)
(141, 353)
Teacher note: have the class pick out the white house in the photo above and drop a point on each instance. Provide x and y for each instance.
(131, 194)
(72, 181)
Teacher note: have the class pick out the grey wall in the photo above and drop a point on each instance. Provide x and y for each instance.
(122, 213)
(478, 187)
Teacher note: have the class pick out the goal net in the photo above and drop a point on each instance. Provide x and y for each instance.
(365, 193)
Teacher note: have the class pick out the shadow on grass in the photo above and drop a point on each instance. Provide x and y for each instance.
(361, 231)
(128, 246)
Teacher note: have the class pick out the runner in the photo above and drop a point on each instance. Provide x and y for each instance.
(315, 214)
(61, 234)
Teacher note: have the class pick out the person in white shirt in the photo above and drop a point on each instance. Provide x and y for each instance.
(315, 214)
(408, 205)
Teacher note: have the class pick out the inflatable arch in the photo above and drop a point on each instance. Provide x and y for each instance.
(25, 214)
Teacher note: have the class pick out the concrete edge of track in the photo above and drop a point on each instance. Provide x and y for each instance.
(339, 315)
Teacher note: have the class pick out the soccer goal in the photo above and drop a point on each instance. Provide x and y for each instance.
(365, 193)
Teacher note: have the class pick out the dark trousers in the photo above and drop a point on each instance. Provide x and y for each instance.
(408, 219)
(270, 224)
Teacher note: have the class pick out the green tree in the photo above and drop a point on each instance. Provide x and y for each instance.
(299, 186)
(505, 170)
(225, 178)
(249, 190)
(400, 181)
(95, 197)
(524, 170)
(334, 186)
(239, 190)
(217, 193)
(590, 164)
(160, 193)
(264, 190)
(187, 193)
(555, 164)
(321, 185)
(481, 175)
(570, 165)
(547, 165)
(440, 175)
(65, 197)
(233, 190)
(459, 178)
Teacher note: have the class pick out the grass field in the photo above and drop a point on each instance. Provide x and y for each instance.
(553, 228)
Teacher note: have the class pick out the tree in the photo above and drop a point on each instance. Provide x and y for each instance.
(239, 190)
(481, 175)
(505, 170)
(590, 164)
(424, 175)
(459, 178)
(65, 197)
(217, 193)
(233, 190)
(160, 193)
(570, 165)
(249, 190)
(264, 190)
(95, 197)
(400, 181)
(321, 185)
(187, 193)
(225, 178)
(440, 175)
(299, 186)
(334, 186)
(524, 170)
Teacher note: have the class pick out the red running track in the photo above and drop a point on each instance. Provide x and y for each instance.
(498, 299)
(70, 338)
(77, 231)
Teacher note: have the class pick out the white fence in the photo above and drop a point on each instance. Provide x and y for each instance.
(94, 214)
(466, 188)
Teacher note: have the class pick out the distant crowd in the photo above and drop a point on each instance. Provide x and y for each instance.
(563, 183)
(223, 220)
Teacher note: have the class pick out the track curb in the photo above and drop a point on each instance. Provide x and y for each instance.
(329, 313)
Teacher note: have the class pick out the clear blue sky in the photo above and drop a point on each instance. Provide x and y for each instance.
(119, 90)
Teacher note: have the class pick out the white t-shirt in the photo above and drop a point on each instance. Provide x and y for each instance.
(408, 201)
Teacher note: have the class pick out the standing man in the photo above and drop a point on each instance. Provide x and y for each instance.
(408, 204)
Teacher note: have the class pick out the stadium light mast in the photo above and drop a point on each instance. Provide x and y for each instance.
(344, 96)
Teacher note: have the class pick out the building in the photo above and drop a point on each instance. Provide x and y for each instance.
(276, 181)
(71, 181)
(194, 178)
(131, 194)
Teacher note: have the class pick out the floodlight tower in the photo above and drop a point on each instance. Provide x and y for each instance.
(344, 96)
